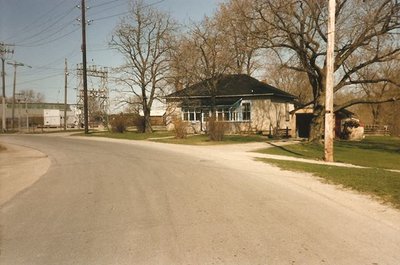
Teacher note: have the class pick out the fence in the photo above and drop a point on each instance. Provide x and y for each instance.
(376, 130)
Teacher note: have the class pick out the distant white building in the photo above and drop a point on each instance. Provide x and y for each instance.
(51, 118)
(41, 114)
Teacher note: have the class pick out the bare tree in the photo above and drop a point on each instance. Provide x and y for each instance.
(31, 96)
(183, 62)
(382, 90)
(293, 82)
(143, 38)
(367, 35)
(219, 45)
(381, 114)
(236, 31)
(202, 57)
(214, 60)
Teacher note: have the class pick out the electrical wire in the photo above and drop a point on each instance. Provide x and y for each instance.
(47, 30)
(127, 12)
(111, 16)
(106, 3)
(36, 44)
(44, 68)
(40, 79)
(31, 25)
(106, 9)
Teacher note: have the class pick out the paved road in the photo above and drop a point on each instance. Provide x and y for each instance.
(107, 202)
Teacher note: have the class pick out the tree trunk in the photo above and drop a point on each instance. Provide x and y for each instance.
(146, 114)
(146, 122)
(317, 123)
(375, 114)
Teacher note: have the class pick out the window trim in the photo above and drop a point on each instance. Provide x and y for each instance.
(225, 114)
(243, 110)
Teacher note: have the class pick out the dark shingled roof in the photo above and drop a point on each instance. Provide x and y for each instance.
(232, 85)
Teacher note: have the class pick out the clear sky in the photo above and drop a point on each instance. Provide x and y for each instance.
(47, 31)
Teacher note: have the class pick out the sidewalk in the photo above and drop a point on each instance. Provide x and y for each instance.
(20, 167)
(250, 150)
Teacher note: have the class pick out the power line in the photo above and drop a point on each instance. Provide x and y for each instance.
(106, 3)
(105, 9)
(111, 16)
(36, 44)
(40, 17)
(127, 12)
(48, 29)
(70, 54)
(40, 79)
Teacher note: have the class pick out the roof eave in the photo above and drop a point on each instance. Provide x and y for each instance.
(230, 96)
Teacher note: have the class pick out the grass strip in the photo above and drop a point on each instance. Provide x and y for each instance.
(204, 140)
(380, 152)
(127, 135)
(373, 181)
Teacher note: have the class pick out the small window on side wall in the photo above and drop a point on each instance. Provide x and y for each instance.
(287, 113)
(246, 111)
(185, 114)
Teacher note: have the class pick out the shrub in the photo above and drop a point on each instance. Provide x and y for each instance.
(138, 122)
(352, 130)
(180, 128)
(119, 123)
(216, 130)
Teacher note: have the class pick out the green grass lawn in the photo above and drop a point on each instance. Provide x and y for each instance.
(128, 135)
(204, 140)
(378, 152)
(374, 181)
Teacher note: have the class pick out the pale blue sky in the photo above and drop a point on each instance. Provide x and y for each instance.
(46, 31)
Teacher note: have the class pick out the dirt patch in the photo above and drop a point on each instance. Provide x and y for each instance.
(20, 167)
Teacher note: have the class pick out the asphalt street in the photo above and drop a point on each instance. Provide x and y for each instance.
(112, 202)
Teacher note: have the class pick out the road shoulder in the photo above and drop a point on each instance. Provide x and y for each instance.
(20, 167)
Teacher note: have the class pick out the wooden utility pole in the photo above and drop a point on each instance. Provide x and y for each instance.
(3, 52)
(65, 93)
(26, 112)
(84, 70)
(330, 60)
(15, 65)
(3, 97)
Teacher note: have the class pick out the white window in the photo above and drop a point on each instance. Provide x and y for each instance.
(206, 116)
(234, 114)
(241, 113)
(197, 114)
(185, 114)
(226, 114)
(238, 113)
(220, 114)
(246, 111)
(191, 114)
